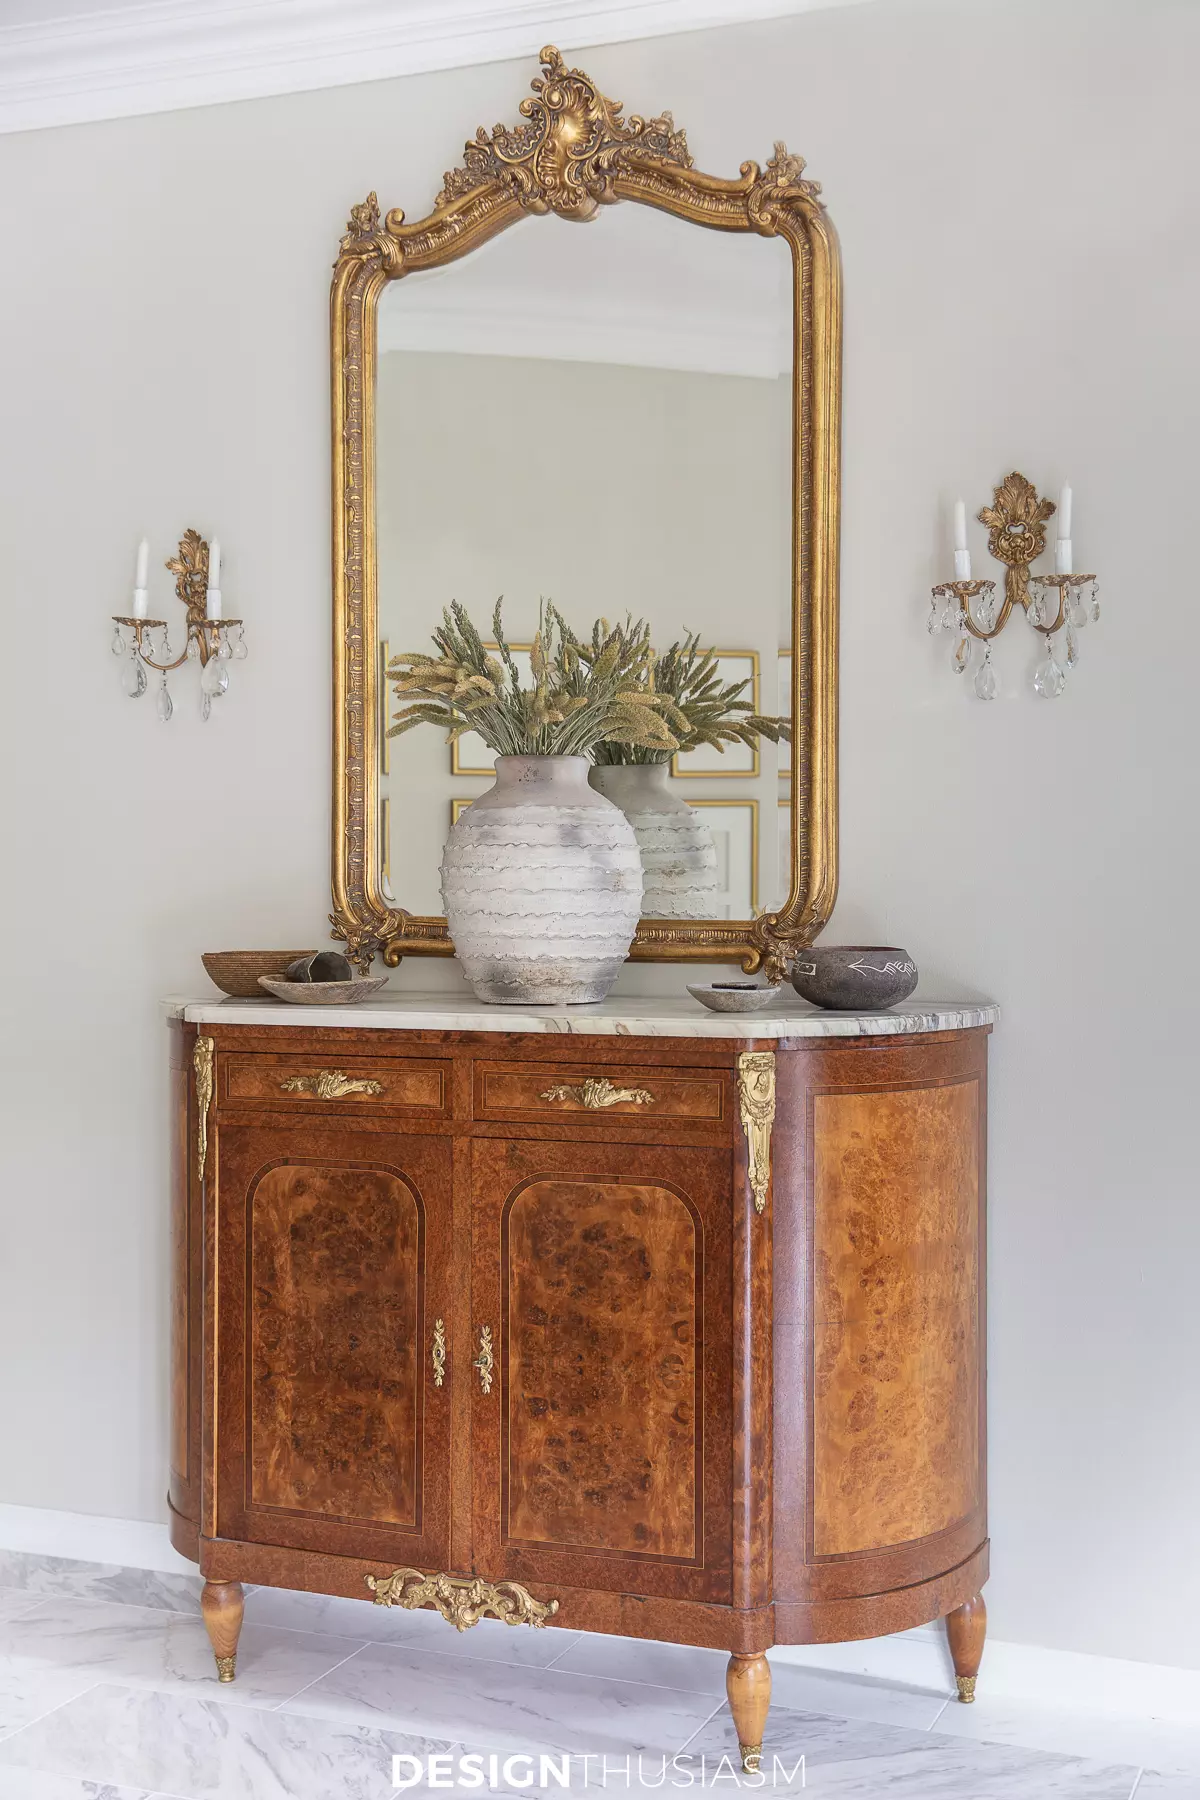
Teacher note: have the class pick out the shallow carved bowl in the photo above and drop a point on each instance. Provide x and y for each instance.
(854, 977)
(236, 972)
(324, 993)
(732, 997)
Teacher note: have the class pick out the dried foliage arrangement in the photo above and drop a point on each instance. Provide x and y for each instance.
(703, 709)
(584, 693)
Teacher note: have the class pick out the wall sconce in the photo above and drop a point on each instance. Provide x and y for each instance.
(1016, 522)
(211, 639)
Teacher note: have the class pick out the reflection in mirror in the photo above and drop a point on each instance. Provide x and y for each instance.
(600, 416)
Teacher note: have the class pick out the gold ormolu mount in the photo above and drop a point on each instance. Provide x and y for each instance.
(462, 1600)
(756, 1097)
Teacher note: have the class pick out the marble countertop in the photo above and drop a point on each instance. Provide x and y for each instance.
(665, 1016)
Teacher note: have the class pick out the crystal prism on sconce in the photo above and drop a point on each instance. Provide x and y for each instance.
(210, 639)
(1058, 606)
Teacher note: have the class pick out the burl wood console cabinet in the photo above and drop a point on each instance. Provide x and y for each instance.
(650, 1324)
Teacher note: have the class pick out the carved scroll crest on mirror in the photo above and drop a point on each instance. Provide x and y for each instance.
(572, 153)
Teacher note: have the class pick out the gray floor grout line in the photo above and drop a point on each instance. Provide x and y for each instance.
(695, 1734)
(29, 1723)
(570, 1644)
(1137, 1782)
(937, 1715)
(288, 1698)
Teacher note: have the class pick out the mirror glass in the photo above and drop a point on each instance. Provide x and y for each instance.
(601, 415)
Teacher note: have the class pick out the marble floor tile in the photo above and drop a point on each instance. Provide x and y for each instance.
(1161, 1744)
(29, 1784)
(202, 1750)
(26, 1693)
(61, 1575)
(490, 1640)
(703, 1672)
(493, 1706)
(1167, 1785)
(858, 1761)
(15, 1601)
(140, 1646)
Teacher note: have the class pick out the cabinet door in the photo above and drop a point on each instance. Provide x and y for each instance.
(601, 1436)
(332, 1274)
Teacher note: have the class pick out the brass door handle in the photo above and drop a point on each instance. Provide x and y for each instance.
(485, 1362)
(330, 1084)
(596, 1094)
(438, 1353)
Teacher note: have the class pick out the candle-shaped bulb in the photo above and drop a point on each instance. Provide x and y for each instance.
(213, 606)
(962, 556)
(1062, 549)
(1064, 513)
(141, 576)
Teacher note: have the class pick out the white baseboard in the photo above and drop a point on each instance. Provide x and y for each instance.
(85, 1537)
(1066, 1679)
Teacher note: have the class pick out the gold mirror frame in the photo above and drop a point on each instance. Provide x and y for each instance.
(572, 154)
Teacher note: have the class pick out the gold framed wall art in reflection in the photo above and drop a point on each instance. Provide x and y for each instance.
(737, 761)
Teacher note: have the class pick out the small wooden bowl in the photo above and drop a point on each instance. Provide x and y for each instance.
(236, 972)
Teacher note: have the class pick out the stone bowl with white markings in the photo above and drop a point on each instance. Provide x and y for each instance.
(854, 977)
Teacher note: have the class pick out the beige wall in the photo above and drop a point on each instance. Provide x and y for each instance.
(1015, 186)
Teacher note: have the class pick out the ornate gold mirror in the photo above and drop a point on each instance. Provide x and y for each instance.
(636, 418)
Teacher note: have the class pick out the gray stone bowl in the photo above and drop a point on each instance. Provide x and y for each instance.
(324, 993)
(732, 996)
(854, 977)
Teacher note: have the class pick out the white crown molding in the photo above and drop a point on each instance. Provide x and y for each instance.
(164, 54)
(600, 333)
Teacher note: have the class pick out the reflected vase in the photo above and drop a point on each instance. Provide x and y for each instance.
(542, 885)
(679, 857)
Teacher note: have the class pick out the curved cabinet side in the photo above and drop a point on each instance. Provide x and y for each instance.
(880, 1463)
(183, 1494)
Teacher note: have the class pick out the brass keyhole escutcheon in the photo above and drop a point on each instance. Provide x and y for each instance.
(485, 1362)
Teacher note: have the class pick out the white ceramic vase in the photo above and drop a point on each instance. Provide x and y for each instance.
(679, 858)
(542, 885)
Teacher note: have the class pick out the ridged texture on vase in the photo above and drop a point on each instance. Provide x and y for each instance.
(542, 899)
(679, 858)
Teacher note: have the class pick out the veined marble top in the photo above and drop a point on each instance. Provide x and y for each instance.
(667, 1016)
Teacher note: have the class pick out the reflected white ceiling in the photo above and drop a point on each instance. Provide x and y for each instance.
(69, 61)
(631, 286)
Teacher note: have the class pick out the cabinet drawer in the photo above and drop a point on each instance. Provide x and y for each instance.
(548, 1091)
(336, 1084)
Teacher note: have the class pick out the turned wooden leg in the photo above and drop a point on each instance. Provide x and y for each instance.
(966, 1628)
(748, 1684)
(223, 1604)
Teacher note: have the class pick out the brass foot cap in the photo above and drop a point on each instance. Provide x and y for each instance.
(225, 1667)
(966, 1689)
(750, 1757)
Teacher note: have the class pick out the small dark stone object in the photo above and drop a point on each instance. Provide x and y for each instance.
(322, 965)
(854, 977)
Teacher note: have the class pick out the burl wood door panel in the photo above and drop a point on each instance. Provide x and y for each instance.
(601, 1454)
(896, 1376)
(332, 1253)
